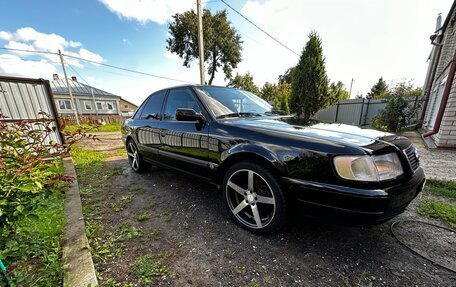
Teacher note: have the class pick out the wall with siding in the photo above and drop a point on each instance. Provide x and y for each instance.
(81, 106)
(24, 99)
(446, 137)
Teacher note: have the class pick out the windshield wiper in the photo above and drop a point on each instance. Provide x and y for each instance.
(241, 114)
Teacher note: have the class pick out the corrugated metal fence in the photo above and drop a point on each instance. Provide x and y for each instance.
(358, 112)
(23, 99)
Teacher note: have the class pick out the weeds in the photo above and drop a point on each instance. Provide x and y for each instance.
(143, 216)
(438, 210)
(147, 269)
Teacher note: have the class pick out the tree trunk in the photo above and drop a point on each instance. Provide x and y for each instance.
(214, 65)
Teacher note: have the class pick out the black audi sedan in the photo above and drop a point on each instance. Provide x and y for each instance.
(263, 162)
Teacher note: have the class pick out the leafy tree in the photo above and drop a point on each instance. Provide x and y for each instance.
(309, 85)
(283, 91)
(244, 82)
(222, 43)
(401, 109)
(268, 92)
(379, 90)
(337, 92)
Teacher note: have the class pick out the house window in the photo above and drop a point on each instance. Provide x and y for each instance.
(65, 104)
(99, 106)
(87, 105)
(126, 106)
(110, 106)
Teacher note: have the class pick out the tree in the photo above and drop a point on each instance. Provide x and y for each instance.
(244, 82)
(309, 85)
(379, 90)
(268, 92)
(282, 97)
(337, 93)
(287, 76)
(222, 43)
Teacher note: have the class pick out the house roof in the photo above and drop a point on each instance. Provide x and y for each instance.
(128, 102)
(78, 89)
(448, 17)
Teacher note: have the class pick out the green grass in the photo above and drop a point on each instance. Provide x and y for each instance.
(441, 188)
(146, 269)
(143, 216)
(438, 210)
(114, 127)
(33, 255)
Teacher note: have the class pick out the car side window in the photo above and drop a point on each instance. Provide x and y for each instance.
(152, 108)
(177, 99)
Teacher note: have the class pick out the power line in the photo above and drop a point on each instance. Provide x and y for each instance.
(128, 70)
(259, 28)
(98, 63)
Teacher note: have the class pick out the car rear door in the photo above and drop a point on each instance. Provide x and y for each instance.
(184, 143)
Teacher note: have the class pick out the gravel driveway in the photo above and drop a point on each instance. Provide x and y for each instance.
(203, 247)
(440, 164)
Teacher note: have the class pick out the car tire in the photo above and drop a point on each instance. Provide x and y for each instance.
(254, 197)
(135, 159)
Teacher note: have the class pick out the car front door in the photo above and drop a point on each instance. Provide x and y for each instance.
(148, 126)
(184, 143)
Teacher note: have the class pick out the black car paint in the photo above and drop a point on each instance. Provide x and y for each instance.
(301, 155)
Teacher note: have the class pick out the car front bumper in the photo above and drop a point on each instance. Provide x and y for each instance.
(363, 206)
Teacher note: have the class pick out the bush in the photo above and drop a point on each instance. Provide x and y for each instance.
(29, 168)
(396, 115)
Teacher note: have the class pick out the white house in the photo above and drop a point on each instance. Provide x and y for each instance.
(89, 100)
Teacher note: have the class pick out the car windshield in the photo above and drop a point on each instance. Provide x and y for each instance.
(228, 102)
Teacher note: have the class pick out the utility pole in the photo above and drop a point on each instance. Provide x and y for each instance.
(95, 103)
(351, 85)
(69, 89)
(199, 9)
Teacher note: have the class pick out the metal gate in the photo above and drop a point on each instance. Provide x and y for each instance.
(23, 99)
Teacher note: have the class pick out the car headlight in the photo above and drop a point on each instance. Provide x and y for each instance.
(368, 168)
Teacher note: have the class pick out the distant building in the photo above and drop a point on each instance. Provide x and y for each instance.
(89, 100)
(439, 91)
(127, 108)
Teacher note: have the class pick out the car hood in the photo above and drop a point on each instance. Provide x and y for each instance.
(341, 133)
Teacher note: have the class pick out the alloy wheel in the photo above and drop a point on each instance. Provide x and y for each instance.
(250, 199)
(133, 156)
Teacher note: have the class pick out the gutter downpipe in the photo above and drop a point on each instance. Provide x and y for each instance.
(446, 95)
(431, 81)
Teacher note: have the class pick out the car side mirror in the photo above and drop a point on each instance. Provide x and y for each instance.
(189, 115)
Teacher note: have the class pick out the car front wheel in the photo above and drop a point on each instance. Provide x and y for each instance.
(254, 198)
(135, 159)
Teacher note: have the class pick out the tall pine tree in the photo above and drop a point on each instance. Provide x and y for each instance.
(309, 85)
(379, 90)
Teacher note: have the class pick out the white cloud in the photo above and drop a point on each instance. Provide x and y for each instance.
(143, 11)
(5, 35)
(38, 65)
(13, 65)
(27, 38)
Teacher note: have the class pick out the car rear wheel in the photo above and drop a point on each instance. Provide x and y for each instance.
(135, 159)
(254, 198)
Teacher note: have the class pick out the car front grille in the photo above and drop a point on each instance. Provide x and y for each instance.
(411, 157)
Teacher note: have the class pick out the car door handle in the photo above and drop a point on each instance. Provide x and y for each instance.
(163, 133)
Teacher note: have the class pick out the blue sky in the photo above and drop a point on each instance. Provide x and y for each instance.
(361, 39)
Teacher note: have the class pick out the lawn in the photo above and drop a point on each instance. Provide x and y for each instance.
(441, 204)
(114, 127)
(33, 255)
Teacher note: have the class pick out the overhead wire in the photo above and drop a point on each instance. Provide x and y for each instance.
(259, 28)
(99, 63)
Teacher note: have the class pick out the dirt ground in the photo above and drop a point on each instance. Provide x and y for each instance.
(190, 231)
